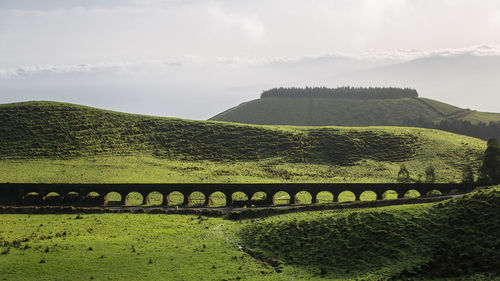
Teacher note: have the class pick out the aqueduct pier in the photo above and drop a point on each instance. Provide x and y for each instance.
(97, 194)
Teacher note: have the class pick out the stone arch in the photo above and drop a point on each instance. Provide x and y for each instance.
(217, 199)
(390, 194)
(175, 198)
(52, 194)
(134, 198)
(92, 194)
(32, 198)
(259, 195)
(368, 195)
(346, 196)
(281, 198)
(324, 197)
(197, 198)
(93, 198)
(71, 197)
(154, 198)
(113, 198)
(303, 197)
(52, 198)
(239, 199)
(433, 192)
(411, 193)
(260, 198)
(239, 196)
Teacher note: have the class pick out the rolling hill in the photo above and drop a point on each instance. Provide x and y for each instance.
(59, 142)
(453, 240)
(325, 111)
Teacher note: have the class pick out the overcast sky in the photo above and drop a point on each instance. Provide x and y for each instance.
(203, 56)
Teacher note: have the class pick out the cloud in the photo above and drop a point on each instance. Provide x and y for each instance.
(158, 66)
(67, 32)
(495, 18)
(249, 24)
(124, 51)
(100, 68)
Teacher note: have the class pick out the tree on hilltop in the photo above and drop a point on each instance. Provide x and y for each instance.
(341, 92)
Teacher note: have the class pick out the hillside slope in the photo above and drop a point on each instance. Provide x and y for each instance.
(347, 112)
(50, 131)
(457, 238)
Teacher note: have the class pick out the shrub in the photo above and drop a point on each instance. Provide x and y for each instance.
(403, 174)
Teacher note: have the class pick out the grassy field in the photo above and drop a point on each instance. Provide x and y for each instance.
(121, 247)
(148, 169)
(347, 112)
(57, 142)
(454, 240)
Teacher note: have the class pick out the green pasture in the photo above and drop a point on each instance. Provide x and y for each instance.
(57, 142)
(47, 142)
(150, 169)
(122, 247)
(452, 240)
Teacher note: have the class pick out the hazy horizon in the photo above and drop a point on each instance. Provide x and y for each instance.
(194, 59)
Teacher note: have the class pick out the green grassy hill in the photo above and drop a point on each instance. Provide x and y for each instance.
(457, 238)
(347, 112)
(452, 240)
(59, 142)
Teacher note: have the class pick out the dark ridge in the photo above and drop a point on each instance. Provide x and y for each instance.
(481, 130)
(342, 92)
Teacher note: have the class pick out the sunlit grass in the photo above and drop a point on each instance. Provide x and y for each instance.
(64, 143)
(382, 243)
(123, 247)
(188, 247)
(148, 169)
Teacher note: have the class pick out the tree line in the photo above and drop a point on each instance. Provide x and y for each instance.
(341, 92)
(463, 127)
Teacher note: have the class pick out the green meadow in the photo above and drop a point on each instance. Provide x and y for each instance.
(48, 142)
(150, 169)
(451, 240)
(455, 238)
(57, 142)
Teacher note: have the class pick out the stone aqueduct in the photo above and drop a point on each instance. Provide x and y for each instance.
(74, 194)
